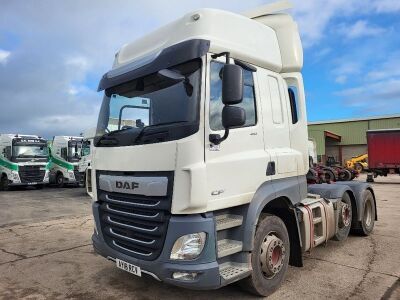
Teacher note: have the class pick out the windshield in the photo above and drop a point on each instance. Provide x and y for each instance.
(30, 151)
(74, 151)
(169, 97)
(85, 148)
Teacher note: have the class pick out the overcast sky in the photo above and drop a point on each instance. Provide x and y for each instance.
(53, 53)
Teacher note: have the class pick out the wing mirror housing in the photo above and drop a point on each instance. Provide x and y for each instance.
(232, 84)
(232, 93)
(233, 116)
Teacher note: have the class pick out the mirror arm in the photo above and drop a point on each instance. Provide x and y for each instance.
(226, 54)
(216, 139)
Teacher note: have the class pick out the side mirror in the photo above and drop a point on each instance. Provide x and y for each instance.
(232, 84)
(233, 116)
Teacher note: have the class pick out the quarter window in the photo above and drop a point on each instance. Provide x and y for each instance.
(216, 105)
(292, 90)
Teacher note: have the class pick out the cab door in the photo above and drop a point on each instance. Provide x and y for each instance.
(236, 167)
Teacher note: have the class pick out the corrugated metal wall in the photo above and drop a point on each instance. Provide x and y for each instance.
(352, 132)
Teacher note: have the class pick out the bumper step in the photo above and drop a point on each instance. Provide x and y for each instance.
(226, 221)
(227, 247)
(231, 271)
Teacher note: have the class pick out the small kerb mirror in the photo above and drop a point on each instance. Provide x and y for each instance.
(233, 116)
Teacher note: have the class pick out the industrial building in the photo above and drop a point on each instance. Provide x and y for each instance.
(343, 139)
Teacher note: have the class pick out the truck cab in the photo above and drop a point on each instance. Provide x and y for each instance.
(201, 153)
(65, 153)
(23, 161)
(86, 154)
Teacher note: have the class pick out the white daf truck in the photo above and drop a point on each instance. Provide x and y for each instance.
(23, 161)
(65, 154)
(86, 154)
(201, 154)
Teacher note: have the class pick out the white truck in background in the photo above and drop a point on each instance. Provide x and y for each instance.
(23, 161)
(86, 154)
(65, 154)
(199, 167)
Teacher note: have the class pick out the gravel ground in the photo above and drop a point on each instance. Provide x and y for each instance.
(46, 253)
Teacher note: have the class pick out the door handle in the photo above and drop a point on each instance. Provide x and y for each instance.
(270, 168)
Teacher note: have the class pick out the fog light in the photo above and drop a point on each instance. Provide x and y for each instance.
(188, 246)
(184, 276)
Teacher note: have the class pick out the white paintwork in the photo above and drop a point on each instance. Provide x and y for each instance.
(246, 39)
(86, 160)
(312, 149)
(205, 179)
(58, 143)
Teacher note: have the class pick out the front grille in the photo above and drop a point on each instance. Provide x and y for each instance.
(135, 225)
(29, 174)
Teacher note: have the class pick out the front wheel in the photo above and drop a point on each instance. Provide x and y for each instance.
(270, 257)
(60, 180)
(4, 186)
(358, 167)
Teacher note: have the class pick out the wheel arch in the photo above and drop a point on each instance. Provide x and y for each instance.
(279, 198)
(358, 189)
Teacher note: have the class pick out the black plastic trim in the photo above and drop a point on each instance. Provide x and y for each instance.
(169, 57)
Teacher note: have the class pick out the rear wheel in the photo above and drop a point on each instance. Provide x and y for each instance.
(60, 180)
(366, 225)
(329, 176)
(347, 176)
(344, 220)
(270, 257)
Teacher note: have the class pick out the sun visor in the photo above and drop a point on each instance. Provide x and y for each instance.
(153, 62)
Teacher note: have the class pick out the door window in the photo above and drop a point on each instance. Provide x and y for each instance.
(216, 105)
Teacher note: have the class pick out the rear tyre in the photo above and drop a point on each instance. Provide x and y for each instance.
(358, 167)
(60, 180)
(344, 220)
(329, 176)
(366, 225)
(347, 176)
(270, 257)
(4, 186)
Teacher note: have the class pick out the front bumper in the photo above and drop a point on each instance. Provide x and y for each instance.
(27, 184)
(162, 267)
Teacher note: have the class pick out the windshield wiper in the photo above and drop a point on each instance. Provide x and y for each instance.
(143, 130)
(111, 133)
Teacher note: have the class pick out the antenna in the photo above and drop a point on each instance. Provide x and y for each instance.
(268, 9)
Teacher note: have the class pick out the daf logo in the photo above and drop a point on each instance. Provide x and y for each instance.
(126, 185)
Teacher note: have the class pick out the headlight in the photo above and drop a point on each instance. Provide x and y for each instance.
(15, 176)
(71, 174)
(189, 246)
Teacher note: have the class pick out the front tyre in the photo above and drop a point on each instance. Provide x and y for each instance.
(60, 180)
(269, 258)
(4, 186)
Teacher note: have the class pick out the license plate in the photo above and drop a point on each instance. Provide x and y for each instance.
(135, 270)
(31, 183)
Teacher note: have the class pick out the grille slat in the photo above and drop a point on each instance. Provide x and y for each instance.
(135, 225)
(29, 174)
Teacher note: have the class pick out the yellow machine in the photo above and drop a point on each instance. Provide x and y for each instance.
(358, 163)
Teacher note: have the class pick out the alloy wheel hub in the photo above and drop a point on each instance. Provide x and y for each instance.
(345, 212)
(272, 255)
